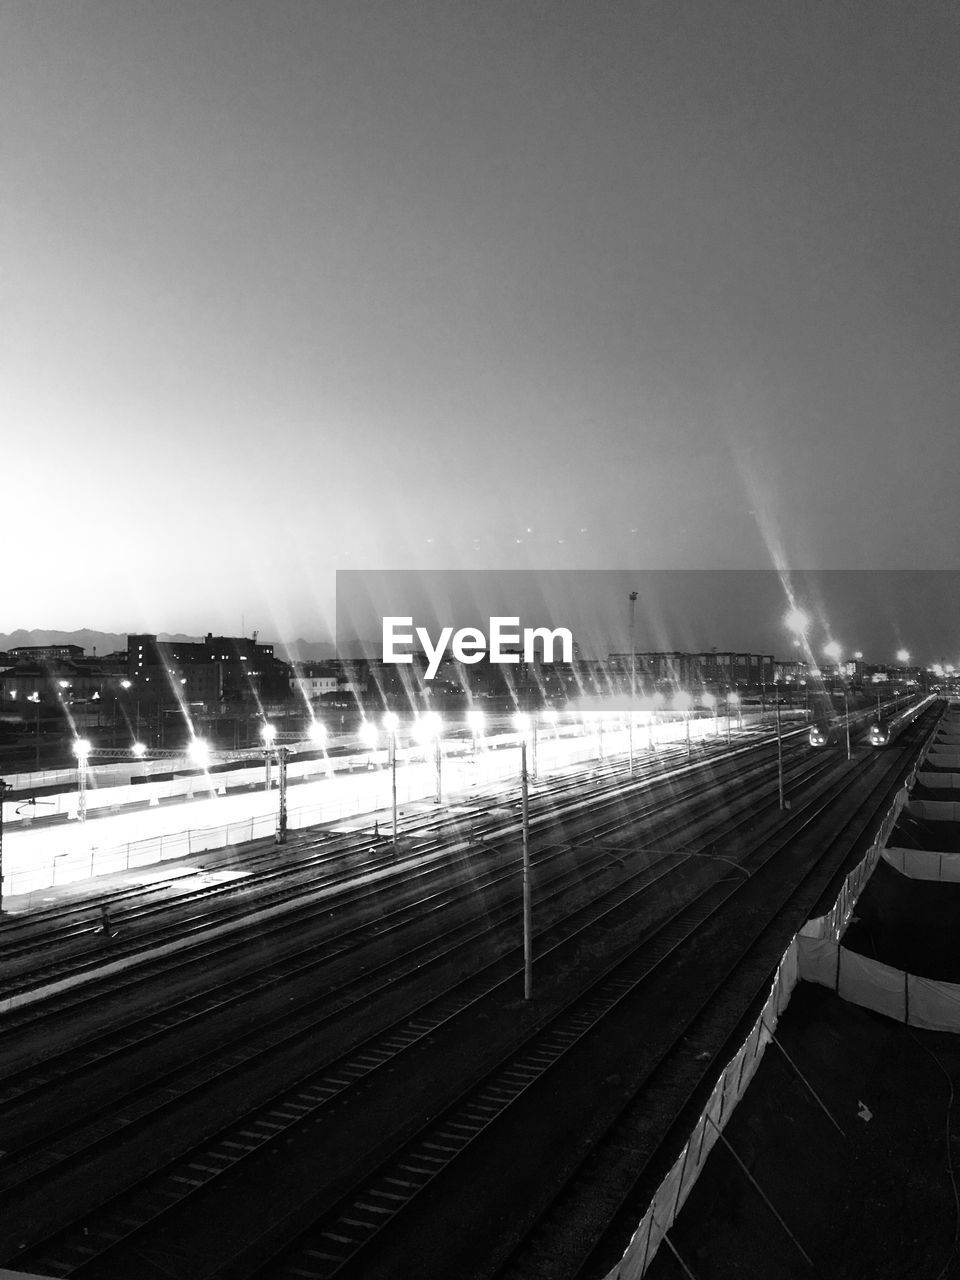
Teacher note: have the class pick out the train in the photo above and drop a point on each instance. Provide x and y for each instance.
(879, 734)
(825, 735)
(833, 734)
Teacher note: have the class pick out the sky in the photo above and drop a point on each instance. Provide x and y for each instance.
(298, 286)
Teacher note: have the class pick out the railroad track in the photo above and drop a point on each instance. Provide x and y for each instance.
(551, 809)
(188, 1178)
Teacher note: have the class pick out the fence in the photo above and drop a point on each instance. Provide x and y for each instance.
(817, 937)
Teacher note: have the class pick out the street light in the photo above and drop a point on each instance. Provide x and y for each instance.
(198, 751)
(783, 803)
(527, 724)
(369, 737)
(633, 670)
(391, 722)
(4, 787)
(709, 701)
(282, 753)
(523, 727)
(81, 749)
(35, 699)
(428, 729)
(267, 732)
(682, 702)
(475, 721)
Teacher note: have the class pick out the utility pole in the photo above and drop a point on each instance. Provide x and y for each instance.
(633, 669)
(4, 787)
(527, 897)
(282, 818)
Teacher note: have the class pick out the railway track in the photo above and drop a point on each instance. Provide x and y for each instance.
(152, 925)
(298, 1109)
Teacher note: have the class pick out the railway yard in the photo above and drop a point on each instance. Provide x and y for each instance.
(316, 1059)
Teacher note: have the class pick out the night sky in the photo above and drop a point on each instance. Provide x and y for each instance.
(291, 287)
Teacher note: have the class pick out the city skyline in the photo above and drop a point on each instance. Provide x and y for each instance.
(879, 614)
(297, 289)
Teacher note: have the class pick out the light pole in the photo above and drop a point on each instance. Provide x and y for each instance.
(391, 722)
(369, 736)
(779, 754)
(35, 699)
(4, 787)
(710, 702)
(633, 669)
(475, 721)
(81, 749)
(429, 729)
(523, 725)
(846, 717)
(735, 699)
(682, 702)
(267, 733)
(282, 811)
(656, 702)
(527, 724)
(125, 685)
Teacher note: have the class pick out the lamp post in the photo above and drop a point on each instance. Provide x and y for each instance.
(710, 702)
(735, 699)
(429, 729)
(475, 720)
(523, 725)
(526, 725)
(633, 669)
(391, 722)
(656, 702)
(369, 736)
(125, 685)
(779, 755)
(4, 787)
(282, 753)
(81, 749)
(35, 699)
(846, 717)
(682, 702)
(267, 733)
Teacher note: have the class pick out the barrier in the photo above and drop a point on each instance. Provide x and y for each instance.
(928, 1003)
(924, 864)
(935, 810)
(945, 781)
(817, 942)
(673, 1191)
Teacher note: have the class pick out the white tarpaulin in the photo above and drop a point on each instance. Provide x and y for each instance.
(924, 864)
